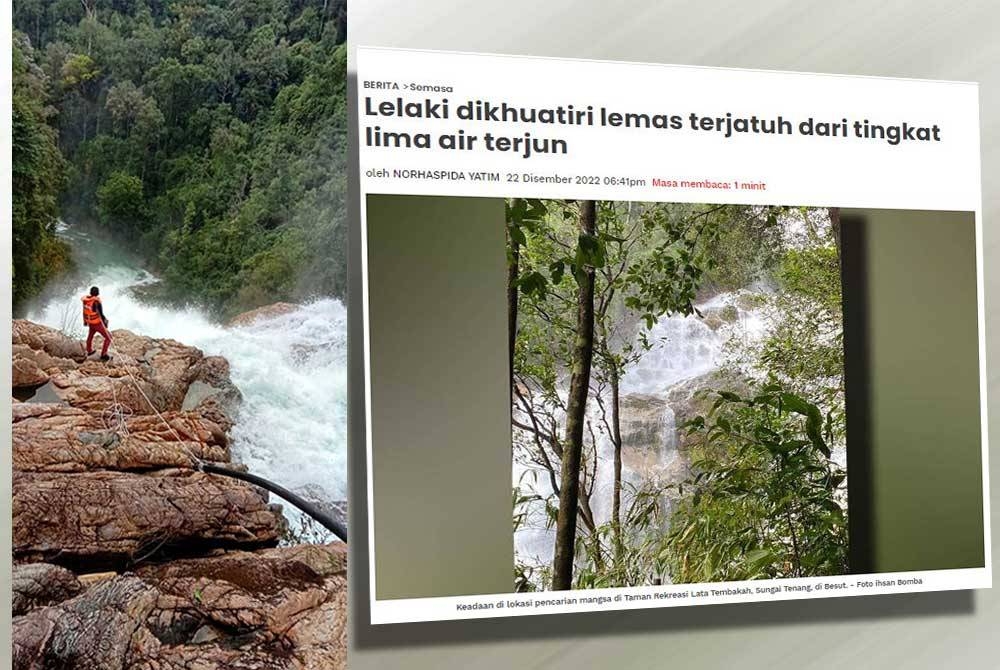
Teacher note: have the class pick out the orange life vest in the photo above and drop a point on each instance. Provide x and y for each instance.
(90, 314)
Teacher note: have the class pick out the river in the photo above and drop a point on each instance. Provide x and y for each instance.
(291, 369)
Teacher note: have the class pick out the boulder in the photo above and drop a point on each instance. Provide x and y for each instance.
(59, 438)
(25, 373)
(261, 313)
(38, 584)
(90, 519)
(211, 391)
(244, 591)
(102, 628)
(145, 374)
(277, 608)
(42, 338)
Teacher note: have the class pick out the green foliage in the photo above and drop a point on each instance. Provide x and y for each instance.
(814, 273)
(767, 501)
(210, 134)
(766, 497)
(121, 205)
(37, 168)
(648, 261)
(746, 248)
(643, 524)
(804, 349)
(79, 72)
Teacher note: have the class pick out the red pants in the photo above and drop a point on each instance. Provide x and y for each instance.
(98, 328)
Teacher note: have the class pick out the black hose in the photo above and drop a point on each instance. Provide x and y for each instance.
(331, 524)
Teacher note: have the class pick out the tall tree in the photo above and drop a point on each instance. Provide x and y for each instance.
(583, 353)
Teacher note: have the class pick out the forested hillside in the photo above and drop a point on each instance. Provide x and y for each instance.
(37, 177)
(206, 135)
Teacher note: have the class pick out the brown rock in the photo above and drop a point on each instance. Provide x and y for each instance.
(39, 584)
(278, 608)
(58, 438)
(103, 628)
(145, 374)
(211, 391)
(94, 518)
(100, 481)
(214, 371)
(25, 373)
(51, 341)
(89, 579)
(42, 359)
(261, 590)
(265, 312)
(161, 369)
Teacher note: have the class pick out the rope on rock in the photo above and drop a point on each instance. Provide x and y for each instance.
(116, 418)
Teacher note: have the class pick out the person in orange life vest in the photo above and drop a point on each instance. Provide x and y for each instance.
(94, 319)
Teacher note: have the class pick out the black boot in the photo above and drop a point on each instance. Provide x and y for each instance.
(105, 358)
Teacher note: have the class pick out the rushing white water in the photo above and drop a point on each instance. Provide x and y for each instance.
(683, 347)
(290, 368)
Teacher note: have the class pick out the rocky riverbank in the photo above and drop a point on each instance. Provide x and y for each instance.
(123, 551)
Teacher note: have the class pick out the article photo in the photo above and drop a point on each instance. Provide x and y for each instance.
(677, 393)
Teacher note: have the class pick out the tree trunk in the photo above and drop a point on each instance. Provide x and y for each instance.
(616, 438)
(512, 273)
(835, 227)
(576, 405)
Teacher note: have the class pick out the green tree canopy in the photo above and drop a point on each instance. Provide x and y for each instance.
(209, 135)
(37, 177)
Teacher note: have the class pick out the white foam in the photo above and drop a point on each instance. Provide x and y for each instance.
(291, 368)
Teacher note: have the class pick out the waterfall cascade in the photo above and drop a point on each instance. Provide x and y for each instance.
(291, 368)
(682, 349)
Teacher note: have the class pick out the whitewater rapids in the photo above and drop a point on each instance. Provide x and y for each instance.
(291, 368)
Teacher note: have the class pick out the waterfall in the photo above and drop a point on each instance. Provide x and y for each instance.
(682, 348)
(291, 368)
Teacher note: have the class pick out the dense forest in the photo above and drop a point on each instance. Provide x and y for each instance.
(677, 393)
(209, 136)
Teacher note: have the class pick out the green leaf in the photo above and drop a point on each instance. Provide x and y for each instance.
(814, 419)
(591, 250)
(517, 235)
(557, 269)
(533, 283)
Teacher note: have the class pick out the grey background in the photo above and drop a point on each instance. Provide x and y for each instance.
(441, 445)
(907, 39)
(925, 454)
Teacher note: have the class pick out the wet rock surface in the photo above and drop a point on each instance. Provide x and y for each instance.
(265, 312)
(127, 556)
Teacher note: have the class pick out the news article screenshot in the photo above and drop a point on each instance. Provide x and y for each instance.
(649, 336)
